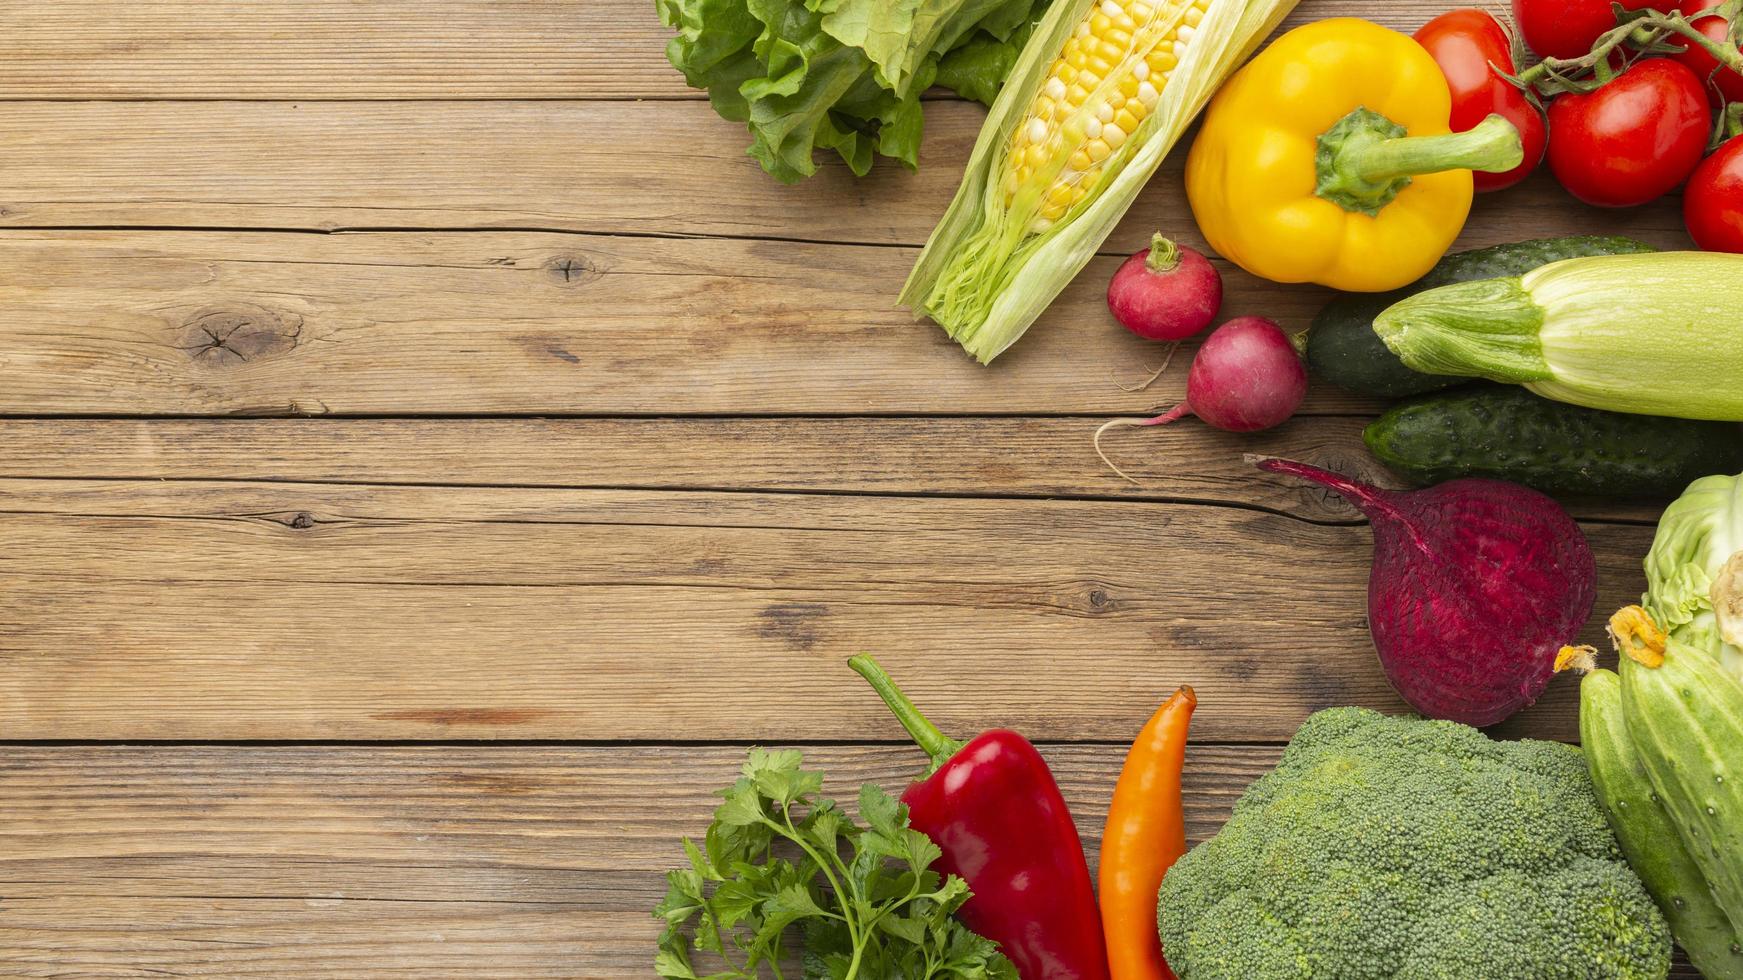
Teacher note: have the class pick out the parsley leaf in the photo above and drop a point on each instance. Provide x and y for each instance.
(784, 876)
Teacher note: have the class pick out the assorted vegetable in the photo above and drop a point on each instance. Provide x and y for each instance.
(1100, 94)
(1569, 28)
(1145, 834)
(1712, 203)
(1345, 154)
(1475, 53)
(851, 901)
(1649, 836)
(1000, 824)
(1342, 347)
(1245, 377)
(1508, 433)
(1166, 292)
(1329, 159)
(1656, 334)
(1476, 586)
(1692, 571)
(1662, 743)
(1395, 847)
(1632, 140)
(842, 75)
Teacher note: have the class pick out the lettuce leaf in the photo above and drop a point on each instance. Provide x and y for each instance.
(842, 75)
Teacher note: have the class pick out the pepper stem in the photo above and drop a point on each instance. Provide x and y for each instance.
(934, 742)
(1365, 159)
(1164, 254)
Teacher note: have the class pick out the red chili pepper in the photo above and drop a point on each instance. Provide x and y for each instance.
(994, 810)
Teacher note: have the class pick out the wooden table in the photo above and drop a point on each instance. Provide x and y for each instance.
(431, 452)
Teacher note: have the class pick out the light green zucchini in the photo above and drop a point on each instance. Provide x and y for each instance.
(1686, 719)
(1655, 334)
(1648, 837)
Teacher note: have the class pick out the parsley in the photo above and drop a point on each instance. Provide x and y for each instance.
(784, 874)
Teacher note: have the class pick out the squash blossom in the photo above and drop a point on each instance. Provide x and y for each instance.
(1329, 159)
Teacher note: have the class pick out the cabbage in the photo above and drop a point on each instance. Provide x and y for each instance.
(1694, 572)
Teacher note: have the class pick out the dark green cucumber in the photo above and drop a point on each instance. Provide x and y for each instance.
(1342, 348)
(1685, 718)
(1648, 837)
(1508, 433)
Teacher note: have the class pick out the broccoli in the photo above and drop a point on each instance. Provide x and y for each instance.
(1397, 847)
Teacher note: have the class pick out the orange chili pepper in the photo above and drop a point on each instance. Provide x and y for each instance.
(1145, 835)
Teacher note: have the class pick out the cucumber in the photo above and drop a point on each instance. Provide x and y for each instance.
(1686, 719)
(1342, 348)
(1508, 433)
(1648, 837)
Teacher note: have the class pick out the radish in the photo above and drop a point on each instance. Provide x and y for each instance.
(1477, 589)
(1166, 292)
(1246, 376)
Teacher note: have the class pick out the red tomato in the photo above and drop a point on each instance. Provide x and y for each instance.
(1712, 204)
(1470, 45)
(1698, 58)
(1632, 140)
(1567, 28)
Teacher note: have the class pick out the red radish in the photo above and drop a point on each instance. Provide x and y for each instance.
(1166, 292)
(1246, 376)
(1477, 588)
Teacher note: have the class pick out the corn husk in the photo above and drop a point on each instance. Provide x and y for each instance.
(983, 278)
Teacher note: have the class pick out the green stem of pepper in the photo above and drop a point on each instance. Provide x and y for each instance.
(1365, 159)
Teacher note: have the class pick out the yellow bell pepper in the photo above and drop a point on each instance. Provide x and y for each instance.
(1329, 159)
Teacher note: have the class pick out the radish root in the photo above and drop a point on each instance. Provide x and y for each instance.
(1147, 382)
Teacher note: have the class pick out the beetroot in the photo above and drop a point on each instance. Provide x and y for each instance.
(1476, 587)
(1166, 292)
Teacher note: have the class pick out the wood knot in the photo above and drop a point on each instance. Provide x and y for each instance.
(574, 269)
(228, 337)
(1098, 598)
(302, 521)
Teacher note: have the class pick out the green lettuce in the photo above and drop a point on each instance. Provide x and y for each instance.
(1694, 572)
(842, 75)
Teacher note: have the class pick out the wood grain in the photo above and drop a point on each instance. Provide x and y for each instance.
(347, 862)
(332, 611)
(335, 49)
(432, 862)
(384, 49)
(668, 168)
(142, 322)
(977, 457)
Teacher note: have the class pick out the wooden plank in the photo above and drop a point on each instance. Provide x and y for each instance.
(1026, 457)
(385, 49)
(138, 322)
(428, 862)
(644, 168)
(335, 49)
(345, 861)
(345, 612)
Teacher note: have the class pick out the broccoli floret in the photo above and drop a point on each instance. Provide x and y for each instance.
(1397, 847)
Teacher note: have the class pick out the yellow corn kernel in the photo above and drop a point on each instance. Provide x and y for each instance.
(1108, 77)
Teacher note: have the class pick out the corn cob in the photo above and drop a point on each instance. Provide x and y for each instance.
(1104, 83)
(1101, 92)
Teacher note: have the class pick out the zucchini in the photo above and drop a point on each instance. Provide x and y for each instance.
(1508, 433)
(1342, 348)
(1648, 837)
(1686, 719)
